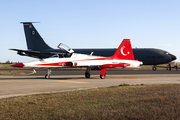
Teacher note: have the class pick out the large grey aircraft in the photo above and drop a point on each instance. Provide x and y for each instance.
(37, 48)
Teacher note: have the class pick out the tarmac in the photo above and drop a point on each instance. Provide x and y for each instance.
(22, 85)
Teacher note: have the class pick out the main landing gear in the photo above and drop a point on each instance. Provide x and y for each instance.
(176, 66)
(47, 76)
(169, 67)
(87, 73)
(102, 75)
(154, 68)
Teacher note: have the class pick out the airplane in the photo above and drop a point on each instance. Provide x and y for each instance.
(123, 57)
(37, 48)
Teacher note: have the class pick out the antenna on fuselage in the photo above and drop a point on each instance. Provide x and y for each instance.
(91, 53)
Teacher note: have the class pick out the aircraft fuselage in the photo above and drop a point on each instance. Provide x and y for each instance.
(149, 56)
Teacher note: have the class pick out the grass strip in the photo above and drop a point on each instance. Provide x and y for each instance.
(117, 102)
(11, 73)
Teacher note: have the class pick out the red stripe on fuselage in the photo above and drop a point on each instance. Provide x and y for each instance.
(115, 65)
(69, 64)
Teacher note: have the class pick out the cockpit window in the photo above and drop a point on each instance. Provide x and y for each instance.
(67, 55)
(56, 55)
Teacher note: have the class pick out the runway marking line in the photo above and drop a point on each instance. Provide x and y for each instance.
(70, 81)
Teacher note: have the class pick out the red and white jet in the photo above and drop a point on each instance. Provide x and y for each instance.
(122, 58)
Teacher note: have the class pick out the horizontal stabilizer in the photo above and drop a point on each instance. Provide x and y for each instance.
(19, 50)
(37, 52)
(28, 22)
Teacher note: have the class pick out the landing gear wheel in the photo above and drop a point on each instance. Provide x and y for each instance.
(154, 68)
(176, 66)
(47, 76)
(87, 75)
(102, 77)
(169, 67)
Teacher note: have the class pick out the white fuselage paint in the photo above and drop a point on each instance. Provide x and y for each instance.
(80, 60)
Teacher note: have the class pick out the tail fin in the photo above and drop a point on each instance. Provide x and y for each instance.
(124, 51)
(33, 39)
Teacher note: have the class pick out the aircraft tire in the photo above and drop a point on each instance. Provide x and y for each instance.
(154, 68)
(169, 68)
(102, 77)
(87, 75)
(47, 76)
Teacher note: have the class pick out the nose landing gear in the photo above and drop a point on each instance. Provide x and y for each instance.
(47, 76)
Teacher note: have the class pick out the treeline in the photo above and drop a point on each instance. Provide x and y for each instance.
(8, 62)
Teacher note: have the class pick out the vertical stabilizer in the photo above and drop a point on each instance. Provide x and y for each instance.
(124, 51)
(33, 39)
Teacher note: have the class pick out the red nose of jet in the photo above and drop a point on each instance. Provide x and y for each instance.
(18, 65)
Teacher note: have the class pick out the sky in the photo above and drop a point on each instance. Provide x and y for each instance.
(91, 24)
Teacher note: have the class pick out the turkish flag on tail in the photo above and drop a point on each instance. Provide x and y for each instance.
(124, 51)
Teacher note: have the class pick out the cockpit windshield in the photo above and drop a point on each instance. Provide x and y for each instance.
(65, 48)
(167, 53)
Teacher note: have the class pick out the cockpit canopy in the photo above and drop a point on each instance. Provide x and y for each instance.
(65, 48)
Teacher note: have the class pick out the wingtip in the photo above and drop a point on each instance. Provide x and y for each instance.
(18, 65)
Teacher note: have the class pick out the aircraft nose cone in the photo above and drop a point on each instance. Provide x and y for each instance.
(18, 65)
(173, 57)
